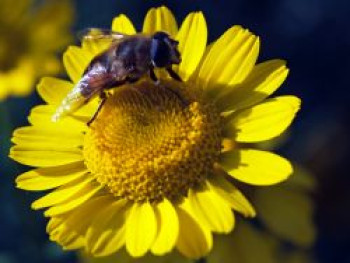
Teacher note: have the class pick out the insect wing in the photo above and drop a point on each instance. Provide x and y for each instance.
(98, 40)
(99, 34)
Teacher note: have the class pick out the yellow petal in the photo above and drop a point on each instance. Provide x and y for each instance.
(79, 219)
(195, 239)
(168, 228)
(107, 232)
(74, 224)
(51, 177)
(62, 193)
(263, 121)
(76, 200)
(231, 194)
(230, 59)
(76, 119)
(69, 240)
(256, 167)
(72, 241)
(45, 156)
(42, 116)
(141, 229)
(288, 213)
(160, 19)
(53, 90)
(192, 39)
(35, 137)
(122, 24)
(212, 210)
(54, 223)
(263, 80)
(75, 61)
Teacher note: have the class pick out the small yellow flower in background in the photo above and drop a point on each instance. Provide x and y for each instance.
(29, 37)
(151, 173)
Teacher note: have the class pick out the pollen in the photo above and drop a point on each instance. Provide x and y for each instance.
(151, 142)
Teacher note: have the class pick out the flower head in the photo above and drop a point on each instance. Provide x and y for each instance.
(29, 40)
(151, 172)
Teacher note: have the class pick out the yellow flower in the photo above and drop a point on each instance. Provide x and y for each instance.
(29, 39)
(151, 172)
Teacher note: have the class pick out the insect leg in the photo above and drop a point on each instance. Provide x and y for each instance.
(173, 74)
(132, 79)
(153, 76)
(103, 97)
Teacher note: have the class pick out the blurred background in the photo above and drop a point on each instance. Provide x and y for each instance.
(312, 35)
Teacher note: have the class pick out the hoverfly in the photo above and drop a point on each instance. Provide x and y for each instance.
(128, 58)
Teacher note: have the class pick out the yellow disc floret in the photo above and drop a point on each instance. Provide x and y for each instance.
(151, 142)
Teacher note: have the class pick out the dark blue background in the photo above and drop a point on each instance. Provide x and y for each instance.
(312, 35)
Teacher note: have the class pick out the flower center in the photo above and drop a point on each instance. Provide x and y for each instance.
(150, 142)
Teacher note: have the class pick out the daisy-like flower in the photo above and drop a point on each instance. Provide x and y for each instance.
(30, 35)
(151, 172)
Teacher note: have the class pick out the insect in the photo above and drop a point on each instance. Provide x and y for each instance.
(128, 58)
